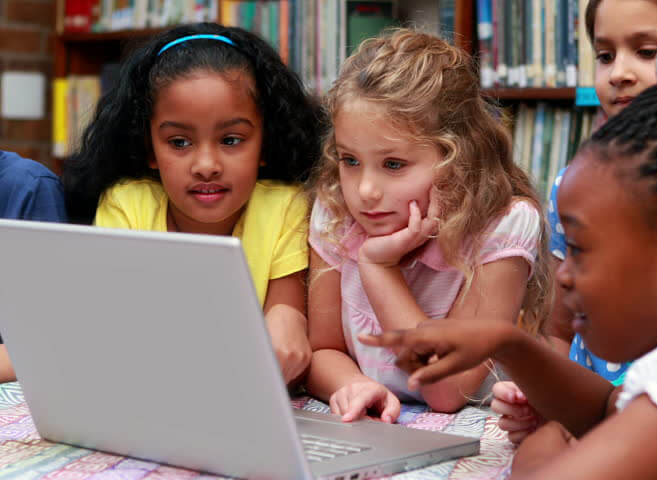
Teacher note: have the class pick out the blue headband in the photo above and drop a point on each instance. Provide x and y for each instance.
(221, 38)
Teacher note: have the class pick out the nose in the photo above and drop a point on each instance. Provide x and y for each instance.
(206, 164)
(622, 71)
(368, 188)
(564, 275)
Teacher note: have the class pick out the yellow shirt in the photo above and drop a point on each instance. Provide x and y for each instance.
(273, 228)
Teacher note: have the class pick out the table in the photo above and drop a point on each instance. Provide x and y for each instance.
(24, 455)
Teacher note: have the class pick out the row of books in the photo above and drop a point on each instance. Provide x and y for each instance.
(546, 137)
(74, 103)
(110, 15)
(533, 43)
(313, 36)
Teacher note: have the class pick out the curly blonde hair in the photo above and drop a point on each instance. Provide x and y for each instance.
(430, 89)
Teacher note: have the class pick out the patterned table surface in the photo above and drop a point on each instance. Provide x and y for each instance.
(24, 455)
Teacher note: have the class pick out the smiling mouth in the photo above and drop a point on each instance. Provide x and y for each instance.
(209, 191)
(209, 194)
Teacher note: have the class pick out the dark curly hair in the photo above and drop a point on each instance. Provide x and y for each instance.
(117, 142)
(628, 141)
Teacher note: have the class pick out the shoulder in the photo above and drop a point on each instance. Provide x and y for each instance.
(274, 196)
(641, 378)
(17, 170)
(134, 190)
(273, 189)
(522, 216)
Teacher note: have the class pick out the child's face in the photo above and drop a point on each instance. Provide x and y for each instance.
(381, 171)
(610, 272)
(207, 137)
(625, 44)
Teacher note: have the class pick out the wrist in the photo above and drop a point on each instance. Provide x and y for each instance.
(510, 341)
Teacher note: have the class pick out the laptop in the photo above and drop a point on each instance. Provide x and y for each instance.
(153, 345)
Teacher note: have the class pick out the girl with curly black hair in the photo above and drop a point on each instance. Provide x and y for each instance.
(206, 132)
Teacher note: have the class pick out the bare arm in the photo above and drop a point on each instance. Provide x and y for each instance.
(556, 387)
(622, 447)
(6, 368)
(331, 367)
(285, 314)
(496, 292)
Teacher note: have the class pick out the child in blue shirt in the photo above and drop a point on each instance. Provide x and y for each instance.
(28, 191)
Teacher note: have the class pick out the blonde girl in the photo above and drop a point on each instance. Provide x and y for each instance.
(419, 215)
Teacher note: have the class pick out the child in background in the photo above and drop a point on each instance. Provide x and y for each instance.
(28, 191)
(201, 116)
(608, 207)
(624, 36)
(420, 214)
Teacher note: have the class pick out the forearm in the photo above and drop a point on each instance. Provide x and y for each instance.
(6, 368)
(293, 318)
(390, 297)
(452, 393)
(556, 387)
(330, 370)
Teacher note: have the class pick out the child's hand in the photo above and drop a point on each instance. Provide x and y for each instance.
(435, 350)
(354, 400)
(519, 418)
(289, 339)
(388, 250)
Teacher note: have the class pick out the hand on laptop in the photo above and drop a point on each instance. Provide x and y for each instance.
(353, 401)
(519, 418)
(287, 328)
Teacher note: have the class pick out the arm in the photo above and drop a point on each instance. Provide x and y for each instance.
(47, 203)
(285, 308)
(331, 367)
(621, 447)
(557, 388)
(497, 290)
(334, 376)
(6, 368)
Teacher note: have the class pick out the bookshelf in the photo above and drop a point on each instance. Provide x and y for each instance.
(312, 36)
(530, 89)
(534, 58)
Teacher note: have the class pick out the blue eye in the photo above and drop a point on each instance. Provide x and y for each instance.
(349, 162)
(393, 164)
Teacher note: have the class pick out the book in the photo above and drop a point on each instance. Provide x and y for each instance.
(59, 117)
(485, 35)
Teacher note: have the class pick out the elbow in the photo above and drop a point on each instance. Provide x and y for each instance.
(444, 400)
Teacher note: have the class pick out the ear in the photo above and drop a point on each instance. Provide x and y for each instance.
(152, 162)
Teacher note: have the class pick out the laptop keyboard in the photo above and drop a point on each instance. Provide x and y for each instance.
(318, 449)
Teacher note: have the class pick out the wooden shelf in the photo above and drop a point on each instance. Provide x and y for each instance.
(530, 93)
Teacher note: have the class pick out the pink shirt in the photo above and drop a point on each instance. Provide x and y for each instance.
(432, 281)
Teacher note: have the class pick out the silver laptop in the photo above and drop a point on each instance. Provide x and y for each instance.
(153, 346)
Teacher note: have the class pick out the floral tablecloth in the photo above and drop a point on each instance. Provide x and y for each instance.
(24, 455)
